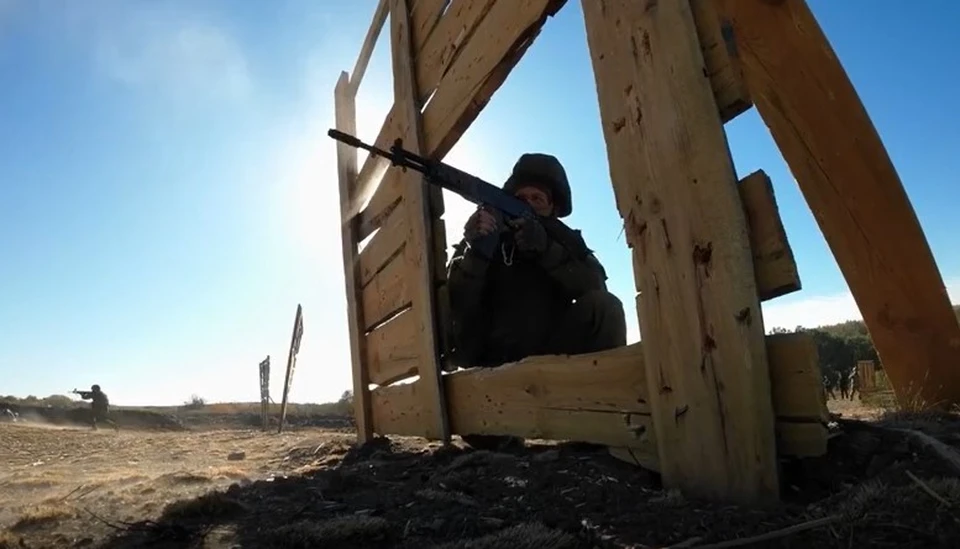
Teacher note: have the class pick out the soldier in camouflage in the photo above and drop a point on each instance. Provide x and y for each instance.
(100, 405)
(537, 295)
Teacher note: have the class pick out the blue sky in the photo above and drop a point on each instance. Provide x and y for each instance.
(169, 192)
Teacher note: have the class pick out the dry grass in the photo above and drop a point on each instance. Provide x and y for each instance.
(51, 477)
(44, 514)
(9, 540)
(855, 409)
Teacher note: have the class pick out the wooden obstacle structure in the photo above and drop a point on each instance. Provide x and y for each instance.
(707, 399)
(873, 387)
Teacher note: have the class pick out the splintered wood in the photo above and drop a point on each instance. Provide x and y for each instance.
(699, 310)
(602, 398)
(835, 153)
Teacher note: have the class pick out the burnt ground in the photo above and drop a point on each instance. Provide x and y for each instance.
(878, 487)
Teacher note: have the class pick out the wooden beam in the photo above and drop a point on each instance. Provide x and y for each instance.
(479, 68)
(827, 138)
(601, 398)
(721, 62)
(346, 121)
(419, 275)
(452, 32)
(424, 15)
(796, 380)
(700, 311)
(774, 265)
(369, 43)
(392, 350)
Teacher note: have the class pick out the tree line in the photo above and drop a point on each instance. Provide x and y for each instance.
(840, 347)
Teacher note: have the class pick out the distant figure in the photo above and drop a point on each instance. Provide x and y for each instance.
(10, 414)
(100, 405)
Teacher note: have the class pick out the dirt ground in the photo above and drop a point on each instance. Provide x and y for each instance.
(69, 487)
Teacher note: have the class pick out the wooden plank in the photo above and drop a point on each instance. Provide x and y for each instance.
(386, 199)
(392, 350)
(721, 62)
(424, 18)
(867, 375)
(455, 28)
(387, 293)
(667, 150)
(383, 247)
(396, 412)
(479, 69)
(346, 121)
(774, 265)
(502, 36)
(796, 379)
(847, 178)
(419, 274)
(597, 397)
(432, 61)
(424, 15)
(369, 43)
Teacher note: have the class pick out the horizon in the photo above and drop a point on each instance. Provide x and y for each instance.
(172, 195)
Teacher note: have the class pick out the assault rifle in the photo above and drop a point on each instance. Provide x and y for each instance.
(468, 186)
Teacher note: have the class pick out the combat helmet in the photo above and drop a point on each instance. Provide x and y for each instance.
(546, 170)
(95, 388)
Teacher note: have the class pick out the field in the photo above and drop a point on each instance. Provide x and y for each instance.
(179, 481)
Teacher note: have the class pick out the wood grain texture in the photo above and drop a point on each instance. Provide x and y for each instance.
(720, 60)
(852, 187)
(699, 308)
(393, 350)
(432, 59)
(346, 121)
(418, 277)
(774, 265)
(601, 398)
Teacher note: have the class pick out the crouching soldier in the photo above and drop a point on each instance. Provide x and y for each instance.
(539, 292)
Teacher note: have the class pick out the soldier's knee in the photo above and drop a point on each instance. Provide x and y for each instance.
(608, 321)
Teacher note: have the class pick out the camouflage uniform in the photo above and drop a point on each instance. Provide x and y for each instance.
(512, 306)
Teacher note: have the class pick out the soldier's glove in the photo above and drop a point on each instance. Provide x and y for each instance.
(482, 231)
(530, 236)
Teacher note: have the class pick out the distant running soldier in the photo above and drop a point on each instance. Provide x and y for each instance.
(10, 414)
(100, 405)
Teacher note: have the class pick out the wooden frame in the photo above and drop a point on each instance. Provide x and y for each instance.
(711, 414)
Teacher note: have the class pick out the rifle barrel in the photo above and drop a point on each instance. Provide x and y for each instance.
(355, 142)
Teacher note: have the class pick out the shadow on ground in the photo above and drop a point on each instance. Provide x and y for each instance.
(397, 493)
